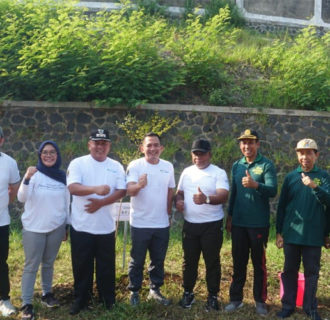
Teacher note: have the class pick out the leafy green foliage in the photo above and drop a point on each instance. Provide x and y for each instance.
(299, 73)
(62, 54)
(135, 130)
(200, 49)
(213, 6)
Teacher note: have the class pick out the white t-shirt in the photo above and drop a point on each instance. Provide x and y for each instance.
(9, 175)
(208, 180)
(149, 206)
(90, 172)
(46, 203)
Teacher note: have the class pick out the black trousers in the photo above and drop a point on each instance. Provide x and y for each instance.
(311, 257)
(205, 238)
(244, 241)
(154, 240)
(4, 273)
(87, 248)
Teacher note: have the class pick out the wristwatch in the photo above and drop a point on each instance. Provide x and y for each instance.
(208, 201)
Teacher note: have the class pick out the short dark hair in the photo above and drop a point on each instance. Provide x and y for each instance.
(151, 134)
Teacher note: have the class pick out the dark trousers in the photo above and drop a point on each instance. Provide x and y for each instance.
(85, 249)
(4, 273)
(154, 240)
(205, 238)
(244, 241)
(311, 257)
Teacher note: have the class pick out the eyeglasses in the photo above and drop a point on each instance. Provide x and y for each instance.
(49, 153)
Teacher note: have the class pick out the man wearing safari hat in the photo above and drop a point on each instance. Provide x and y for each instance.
(95, 183)
(253, 183)
(302, 227)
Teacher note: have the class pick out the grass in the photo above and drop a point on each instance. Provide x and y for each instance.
(63, 284)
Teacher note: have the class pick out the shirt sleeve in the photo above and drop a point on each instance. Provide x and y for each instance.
(322, 192)
(180, 184)
(232, 193)
(132, 174)
(222, 180)
(121, 180)
(269, 187)
(14, 176)
(172, 179)
(282, 203)
(25, 191)
(74, 173)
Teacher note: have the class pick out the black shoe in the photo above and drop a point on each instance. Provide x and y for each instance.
(76, 307)
(313, 315)
(187, 300)
(285, 313)
(27, 312)
(212, 303)
(49, 300)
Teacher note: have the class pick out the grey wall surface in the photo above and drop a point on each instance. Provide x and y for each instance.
(27, 124)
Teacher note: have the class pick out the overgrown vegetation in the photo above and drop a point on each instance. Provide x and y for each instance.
(53, 50)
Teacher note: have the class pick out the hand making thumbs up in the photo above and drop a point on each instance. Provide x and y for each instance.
(248, 181)
(307, 181)
(199, 197)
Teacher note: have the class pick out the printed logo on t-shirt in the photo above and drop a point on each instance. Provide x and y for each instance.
(257, 170)
(164, 171)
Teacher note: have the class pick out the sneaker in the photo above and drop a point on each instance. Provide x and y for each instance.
(233, 305)
(135, 298)
(313, 315)
(27, 312)
(49, 300)
(6, 308)
(285, 313)
(187, 300)
(212, 303)
(158, 297)
(261, 308)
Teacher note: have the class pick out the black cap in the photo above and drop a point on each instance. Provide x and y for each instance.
(99, 134)
(201, 145)
(249, 134)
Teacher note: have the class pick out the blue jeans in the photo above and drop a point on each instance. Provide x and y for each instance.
(154, 240)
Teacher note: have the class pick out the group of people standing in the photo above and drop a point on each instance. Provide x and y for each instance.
(96, 182)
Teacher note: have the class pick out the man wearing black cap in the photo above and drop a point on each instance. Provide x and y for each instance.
(95, 182)
(202, 189)
(253, 183)
(9, 183)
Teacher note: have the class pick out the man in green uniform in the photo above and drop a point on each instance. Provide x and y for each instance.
(302, 226)
(253, 183)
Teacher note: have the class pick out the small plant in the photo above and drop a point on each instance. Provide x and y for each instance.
(213, 6)
(135, 129)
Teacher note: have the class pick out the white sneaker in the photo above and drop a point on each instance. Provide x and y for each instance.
(6, 308)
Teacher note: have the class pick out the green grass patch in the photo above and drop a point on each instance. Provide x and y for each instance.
(63, 285)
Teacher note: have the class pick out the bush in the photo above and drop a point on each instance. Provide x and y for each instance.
(299, 74)
(64, 55)
(200, 48)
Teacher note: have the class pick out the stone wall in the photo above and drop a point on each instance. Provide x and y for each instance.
(26, 124)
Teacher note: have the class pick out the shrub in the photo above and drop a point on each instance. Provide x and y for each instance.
(299, 73)
(200, 48)
(64, 55)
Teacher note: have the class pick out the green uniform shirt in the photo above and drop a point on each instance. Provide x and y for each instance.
(303, 213)
(250, 207)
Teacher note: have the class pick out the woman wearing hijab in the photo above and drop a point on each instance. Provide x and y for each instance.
(46, 198)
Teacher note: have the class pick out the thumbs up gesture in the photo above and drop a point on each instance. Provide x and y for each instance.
(307, 181)
(248, 181)
(199, 197)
